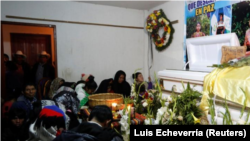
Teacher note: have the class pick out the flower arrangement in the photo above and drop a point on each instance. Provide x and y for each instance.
(227, 120)
(173, 110)
(155, 21)
(181, 110)
(125, 121)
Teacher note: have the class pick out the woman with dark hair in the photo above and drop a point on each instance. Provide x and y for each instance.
(120, 85)
(139, 79)
(85, 87)
(198, 32)
(221, 26)
(106, 86)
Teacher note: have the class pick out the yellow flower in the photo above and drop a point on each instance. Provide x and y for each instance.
(152, 15)
(160, 45)
(196, 120)
(148, 27)
(158, 13)
(169, 30)
(149, 101)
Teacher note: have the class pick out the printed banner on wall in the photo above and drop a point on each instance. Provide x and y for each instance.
(214, 17)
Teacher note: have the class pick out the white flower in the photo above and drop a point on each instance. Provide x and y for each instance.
(124, 126)
(124, 118)
(145, 104)
(153, 90)
(169, 99)
(164, 98)
(147, 121)
(133, 94)
(120, 112)
(240, 121)
(127, 132)
(150, 30)
(162, 110)
(180, 118)
(160, 20)
(156, 122)
(181, 89)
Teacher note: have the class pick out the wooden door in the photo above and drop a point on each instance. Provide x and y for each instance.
(3, 85)
(31, 45)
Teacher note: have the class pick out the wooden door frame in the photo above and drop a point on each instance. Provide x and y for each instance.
(27, 24)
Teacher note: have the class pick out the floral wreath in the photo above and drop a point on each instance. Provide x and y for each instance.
(155, 21)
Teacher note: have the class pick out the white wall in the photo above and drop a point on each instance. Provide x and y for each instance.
(90, 49)
(172, 56)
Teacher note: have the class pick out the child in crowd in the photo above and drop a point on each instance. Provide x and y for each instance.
(139, 79)
(84, 88)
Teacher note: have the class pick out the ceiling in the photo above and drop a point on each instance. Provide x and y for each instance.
(140, 5)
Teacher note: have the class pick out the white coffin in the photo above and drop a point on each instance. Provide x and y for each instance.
(172, 78)
(202, 52)
(206, 51)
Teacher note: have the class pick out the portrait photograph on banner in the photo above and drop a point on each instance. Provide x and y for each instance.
(221, 21)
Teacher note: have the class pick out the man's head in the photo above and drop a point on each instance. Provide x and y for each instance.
(101, 114)
(19, 57)
(18, 113)
(29, 90)
(44, 57)
(6, 57)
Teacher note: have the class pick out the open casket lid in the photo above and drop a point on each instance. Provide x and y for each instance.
(206, 51)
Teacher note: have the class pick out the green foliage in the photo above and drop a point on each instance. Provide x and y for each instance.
(128, 100)
(186, 105)
(244, 61)
(245, 103)
(212, 111)
(191, 25)
(240, 19)
(227, 120)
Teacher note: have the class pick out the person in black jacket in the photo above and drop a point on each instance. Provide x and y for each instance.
(43, 69)
(120, 85)
(23, 68)
(17, 128)
(96, 129)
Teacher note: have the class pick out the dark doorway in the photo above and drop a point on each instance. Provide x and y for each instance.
(31, 45)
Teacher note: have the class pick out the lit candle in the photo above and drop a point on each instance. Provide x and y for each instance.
(129, 108)
(114, 106)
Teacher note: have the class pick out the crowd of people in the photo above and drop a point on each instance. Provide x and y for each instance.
(52, 115)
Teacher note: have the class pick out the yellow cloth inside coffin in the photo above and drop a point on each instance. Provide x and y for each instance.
(226, 83)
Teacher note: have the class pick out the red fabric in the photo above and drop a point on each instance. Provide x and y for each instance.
(58, 132)
(49, 112)
(5, 109)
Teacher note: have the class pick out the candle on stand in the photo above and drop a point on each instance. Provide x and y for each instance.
(114, 106)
